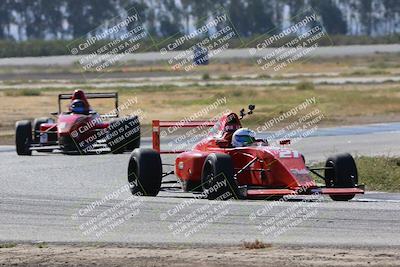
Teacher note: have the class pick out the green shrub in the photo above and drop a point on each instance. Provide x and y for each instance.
(379, 173)
(305, 85)
(7, 245)
(205, 76)
(22, 92)
(225, 77)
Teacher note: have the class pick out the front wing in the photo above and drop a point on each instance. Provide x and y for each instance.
(261, 192)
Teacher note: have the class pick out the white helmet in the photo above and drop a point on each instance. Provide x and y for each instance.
(243, 137)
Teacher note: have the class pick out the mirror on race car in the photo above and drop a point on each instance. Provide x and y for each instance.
(243, 113)
(284, 142)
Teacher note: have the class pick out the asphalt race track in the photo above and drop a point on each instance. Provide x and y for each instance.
(329, 51)
(58, 198)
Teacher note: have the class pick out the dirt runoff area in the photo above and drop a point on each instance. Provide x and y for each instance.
(175, 255)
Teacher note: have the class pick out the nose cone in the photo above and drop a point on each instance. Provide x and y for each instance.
(68, 123)
(287, 167)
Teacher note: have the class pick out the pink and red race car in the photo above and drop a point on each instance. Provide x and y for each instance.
(80, 130)
(220, 171)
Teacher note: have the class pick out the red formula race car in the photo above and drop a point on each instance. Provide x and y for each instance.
(257, 170)
(80, 130)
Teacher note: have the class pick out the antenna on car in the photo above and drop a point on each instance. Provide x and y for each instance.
(244, 113)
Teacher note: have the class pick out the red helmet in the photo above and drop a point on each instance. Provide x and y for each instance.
(80, 95)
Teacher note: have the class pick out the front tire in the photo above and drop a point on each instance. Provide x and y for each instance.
(36, 131)
(36, 127)
(342, 173)
(23, 138)
(145, 172)
(217, 178)
(191, 186)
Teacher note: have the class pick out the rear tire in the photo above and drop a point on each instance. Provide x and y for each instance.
(134, 142)
(342, 175)
(124, 134)
(23, 138)
(145, 172)
(217, 178)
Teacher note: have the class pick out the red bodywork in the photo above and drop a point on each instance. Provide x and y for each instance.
(84, 125)
(274, 170)
(63, 131)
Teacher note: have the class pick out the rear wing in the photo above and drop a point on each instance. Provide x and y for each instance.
(156, 131)
(91, 96)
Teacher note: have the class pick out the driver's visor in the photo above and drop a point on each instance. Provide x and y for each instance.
(245, 139)
(78, 109)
